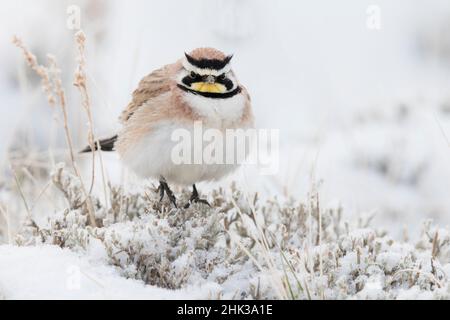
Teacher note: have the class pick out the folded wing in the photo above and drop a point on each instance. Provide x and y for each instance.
(151, 86)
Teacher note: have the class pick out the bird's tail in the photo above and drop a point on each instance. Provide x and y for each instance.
(105, 145)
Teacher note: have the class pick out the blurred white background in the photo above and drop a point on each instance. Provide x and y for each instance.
(365, 111)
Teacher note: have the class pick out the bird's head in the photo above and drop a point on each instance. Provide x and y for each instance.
(207, 72)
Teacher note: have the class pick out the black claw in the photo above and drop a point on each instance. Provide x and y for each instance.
(161, 192)
(173, 200)
(164, 189)
(195, 198)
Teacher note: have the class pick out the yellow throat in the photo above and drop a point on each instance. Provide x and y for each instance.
(208, 87)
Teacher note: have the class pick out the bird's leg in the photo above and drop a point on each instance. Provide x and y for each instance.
(195, 198)
(164, 189)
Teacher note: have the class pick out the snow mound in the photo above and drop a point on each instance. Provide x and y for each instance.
(49, 272)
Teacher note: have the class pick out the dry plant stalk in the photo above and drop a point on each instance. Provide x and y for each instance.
(52, 86)
(40, 70)
(80, 82)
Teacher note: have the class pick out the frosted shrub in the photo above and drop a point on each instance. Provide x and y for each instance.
(249, 248)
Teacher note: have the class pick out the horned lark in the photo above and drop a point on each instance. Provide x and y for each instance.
(199, 87)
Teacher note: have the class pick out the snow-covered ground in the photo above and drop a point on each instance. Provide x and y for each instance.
(49, 272)
(365, 112)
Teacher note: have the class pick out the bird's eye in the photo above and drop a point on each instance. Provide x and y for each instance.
(222, 77)
(193, 74)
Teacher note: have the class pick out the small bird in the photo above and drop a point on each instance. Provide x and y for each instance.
(201, 86)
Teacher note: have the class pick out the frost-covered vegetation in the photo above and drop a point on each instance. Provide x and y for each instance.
(252, 249)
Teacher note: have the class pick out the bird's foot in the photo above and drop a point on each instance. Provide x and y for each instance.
(165, 190)
(195, 198)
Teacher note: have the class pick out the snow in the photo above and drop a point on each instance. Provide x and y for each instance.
(49, 272)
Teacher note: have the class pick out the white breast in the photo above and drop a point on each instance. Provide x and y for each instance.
(218, 113)
(151, 157)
